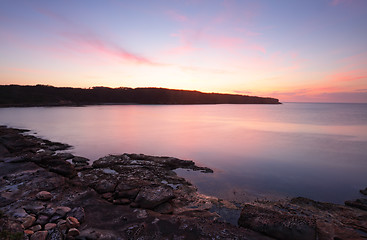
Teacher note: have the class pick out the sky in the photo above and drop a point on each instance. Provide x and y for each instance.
(297, 51)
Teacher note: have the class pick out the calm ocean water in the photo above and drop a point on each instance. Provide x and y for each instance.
(314, 150)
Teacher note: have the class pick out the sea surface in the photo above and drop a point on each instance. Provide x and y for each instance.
(314, 150)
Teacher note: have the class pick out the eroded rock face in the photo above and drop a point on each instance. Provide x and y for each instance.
(360, 203)
(144, 199)
(280, 225)
(302, 218)
(116, 185)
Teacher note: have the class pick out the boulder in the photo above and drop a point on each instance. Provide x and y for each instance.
(61, 167)
(151, 196)
(302, 218)
(62, 211)
(280, 225)
(105, 186)
(40, 235)
(36, 228)
(42, 219)
(50, 226)
(360, 203)
(29, 221)
(73, 232)
(65, 155)
(363, 191)
(72, 222)
(164, 208)
(78, 159)
(28, 232)
(44, 196)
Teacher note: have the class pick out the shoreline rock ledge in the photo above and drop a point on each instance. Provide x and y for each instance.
(48, 194)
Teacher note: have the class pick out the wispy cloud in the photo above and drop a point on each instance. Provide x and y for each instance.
(83, 39)
(346, 76)
(91, 43)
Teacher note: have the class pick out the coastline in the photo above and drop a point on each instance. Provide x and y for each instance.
(135, 195)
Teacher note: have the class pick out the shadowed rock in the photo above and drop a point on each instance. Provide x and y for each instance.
(152, 196)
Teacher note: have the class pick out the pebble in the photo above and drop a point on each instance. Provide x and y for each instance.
(28, 221)
(62, 211)
(36, 228)
(40, 235)
(42, 219)
(44, 196)
(72, 222)
(73, 232)
(28, 232)
(49, 226)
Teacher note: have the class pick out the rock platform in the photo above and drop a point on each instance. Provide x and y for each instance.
(47, 193)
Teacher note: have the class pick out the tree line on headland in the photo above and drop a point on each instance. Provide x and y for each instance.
(44, 95)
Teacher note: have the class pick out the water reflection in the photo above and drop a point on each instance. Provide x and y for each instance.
(311, 150)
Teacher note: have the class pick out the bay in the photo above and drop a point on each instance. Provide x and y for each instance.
(314, 150)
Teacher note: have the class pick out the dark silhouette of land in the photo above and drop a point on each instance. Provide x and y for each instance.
(43, 95)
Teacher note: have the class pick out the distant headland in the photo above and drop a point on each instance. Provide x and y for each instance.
(44, 95)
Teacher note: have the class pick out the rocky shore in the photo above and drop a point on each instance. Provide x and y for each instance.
(46, 193)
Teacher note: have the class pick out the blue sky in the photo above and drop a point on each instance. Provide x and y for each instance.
(293, 50)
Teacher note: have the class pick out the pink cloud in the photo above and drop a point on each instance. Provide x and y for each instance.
(322, 94)
(82, 39)
(90, 43)
(348, 76)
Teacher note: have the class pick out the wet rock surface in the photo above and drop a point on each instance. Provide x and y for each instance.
(302, 218)
(46, 194)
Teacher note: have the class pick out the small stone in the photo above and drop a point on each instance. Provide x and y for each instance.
(55, 218)
(49, 226)
(164, 208)
(73, 232)
(78, 159)
(20, 213)
(34, 207)
(40, 235)
(42, 219)
(28, 221)
(62, 211)
(44, 196)
(72, 222)
(62, 225)
(78, 213)
(65, 155)
(105, 186)
(121, 201)
(35, 228)
(107, 195)
(49, 211)
(28, 232)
